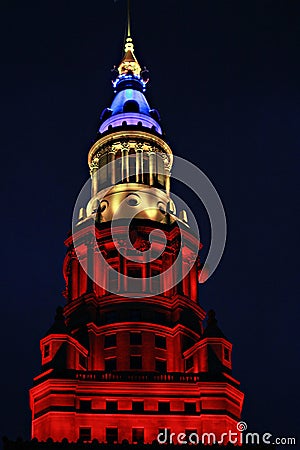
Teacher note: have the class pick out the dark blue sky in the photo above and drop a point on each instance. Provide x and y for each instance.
(225, 78)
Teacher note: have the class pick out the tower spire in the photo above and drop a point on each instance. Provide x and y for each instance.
(129, 64)
(128, 19)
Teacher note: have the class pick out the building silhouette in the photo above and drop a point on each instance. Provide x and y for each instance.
(128, 356)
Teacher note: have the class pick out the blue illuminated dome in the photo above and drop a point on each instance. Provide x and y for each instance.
(130, 106)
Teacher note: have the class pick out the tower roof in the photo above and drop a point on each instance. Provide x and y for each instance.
(130, 105)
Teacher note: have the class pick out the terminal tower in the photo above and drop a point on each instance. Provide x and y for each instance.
(128, 357)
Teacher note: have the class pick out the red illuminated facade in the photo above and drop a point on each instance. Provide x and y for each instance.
(128, 356)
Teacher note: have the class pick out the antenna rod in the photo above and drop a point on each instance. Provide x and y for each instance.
(128, 19)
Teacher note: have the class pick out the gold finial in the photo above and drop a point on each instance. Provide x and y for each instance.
(129, 63)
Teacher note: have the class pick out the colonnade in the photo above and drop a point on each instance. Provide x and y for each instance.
(80, 283)
(130, 163)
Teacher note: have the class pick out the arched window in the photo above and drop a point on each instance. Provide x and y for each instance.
(131, 106)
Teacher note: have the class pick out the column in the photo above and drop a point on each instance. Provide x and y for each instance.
(139, 163)
(122, 267)
(93, 172)
(90, 266)
(167, 263)
(177, 267)
(193, 283)
(145, 274)
(139, 166)
(152, 167)
(102, 272)
(125, 165)
(121, 272)
(70, 276)
(167, 179)
(112, 169)
(179, 272)
(74, 277)
(94, 183)
(160, 170)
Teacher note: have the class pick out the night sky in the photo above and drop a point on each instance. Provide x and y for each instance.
(225, 78)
